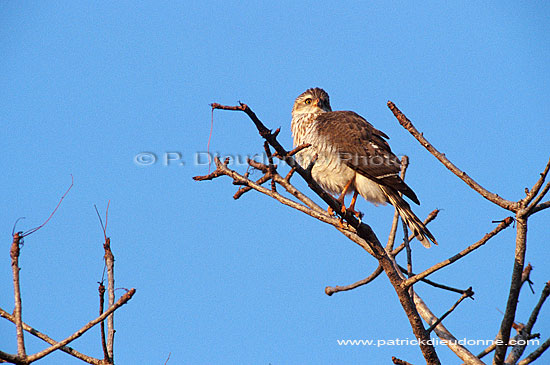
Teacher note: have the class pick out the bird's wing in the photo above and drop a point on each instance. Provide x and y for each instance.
(363, 148)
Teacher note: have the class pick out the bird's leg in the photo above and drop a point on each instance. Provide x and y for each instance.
(351, 207)
(342, 198)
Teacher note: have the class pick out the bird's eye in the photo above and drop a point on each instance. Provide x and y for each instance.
(308, 101)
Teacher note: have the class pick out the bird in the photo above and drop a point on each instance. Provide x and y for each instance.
(350, 156)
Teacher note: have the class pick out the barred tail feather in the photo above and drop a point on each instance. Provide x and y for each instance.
(415, 225)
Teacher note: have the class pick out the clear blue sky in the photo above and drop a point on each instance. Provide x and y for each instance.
(86, 86)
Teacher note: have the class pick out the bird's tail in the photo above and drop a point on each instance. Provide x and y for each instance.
(415, 225)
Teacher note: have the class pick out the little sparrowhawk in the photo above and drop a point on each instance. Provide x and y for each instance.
(351, 157)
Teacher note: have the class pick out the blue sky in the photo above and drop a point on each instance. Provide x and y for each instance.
(87, 86)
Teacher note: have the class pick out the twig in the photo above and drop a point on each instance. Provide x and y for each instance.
(110, 263)
(468, 294)
(101, 290)
(535, 354)
(536, 201)
(540, 207)
(290, 173)
(494, 198)
(434, 284)
(245, 189)
(32, 230)
(525, 333)
(397, 361)
(443, 333)
(123, 300)
(461, 254)
(526, 277)
(536, 188)
(329, 290)
(271, 167)
(14, 254)
(298, 149)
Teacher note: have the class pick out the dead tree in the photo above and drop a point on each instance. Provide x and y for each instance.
(22, 357)
(421, 319)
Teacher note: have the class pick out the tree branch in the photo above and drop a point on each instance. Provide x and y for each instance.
(494, 198)
(505, 223)
(14, 253)
(467, 294)
(536, 188)
(535, 354)
(515, 286)
(51, 341)
(123, 300)
(525, 334)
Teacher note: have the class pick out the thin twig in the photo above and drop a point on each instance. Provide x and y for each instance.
(329, 290)
(536, 188)
(32, 230)
(525, 333)
(540, 207)
(468, 294)
(539, 197)
(434, 284)
(492, 197)
(505, 223)
(397, 361)
(535, 354)
(101, 290)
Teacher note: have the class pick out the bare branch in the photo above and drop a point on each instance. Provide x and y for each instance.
(45, 338)
(525, 334)
(540, 207)
(434, 284)
(397, 361)
(536, 188)
(101, 291)
(298, 149)
(535, 354)
(504, 224)
(443, 333)
(329, 290)
(468, 294)
(110, 263)
(492, 197)
(515, 286)
(123, 300)
(14, 253)
(537, 200)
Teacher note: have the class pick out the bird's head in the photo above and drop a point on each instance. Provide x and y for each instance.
(313, 100)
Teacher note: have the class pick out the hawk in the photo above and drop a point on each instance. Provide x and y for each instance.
(351, 157)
